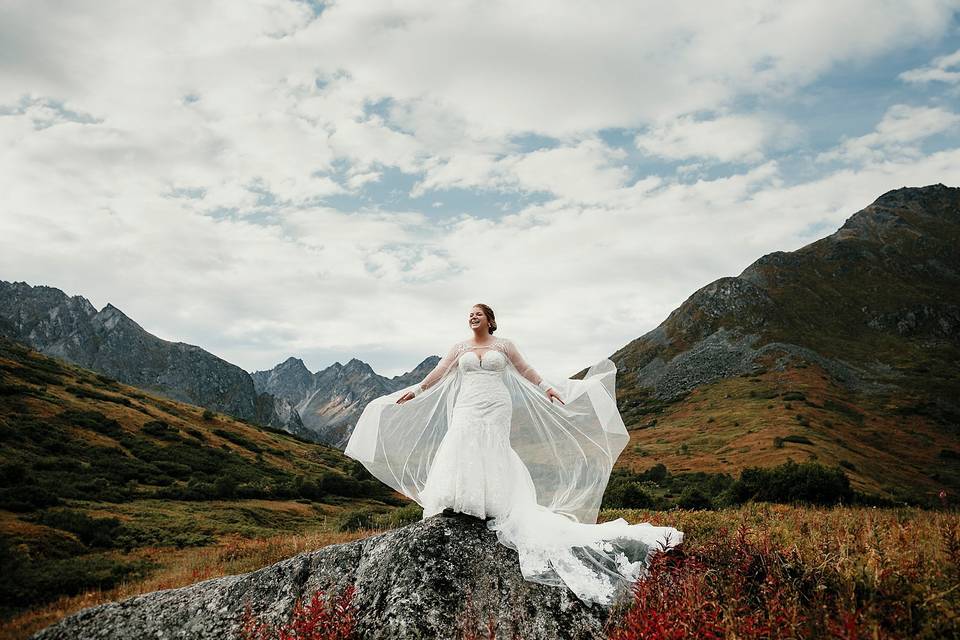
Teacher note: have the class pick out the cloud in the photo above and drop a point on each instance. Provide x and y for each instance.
(898, 134)
(510, 67)
(730, 138)
(580, 172)
(941, 69)
(199, 164)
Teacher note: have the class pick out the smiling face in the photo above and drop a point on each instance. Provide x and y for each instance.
(477, 318)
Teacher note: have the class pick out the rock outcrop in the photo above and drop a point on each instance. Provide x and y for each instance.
(424, 580)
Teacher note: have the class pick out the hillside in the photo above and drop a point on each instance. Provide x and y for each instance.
(111, 343)
(322, 406)
(94, 474)
(843, 352)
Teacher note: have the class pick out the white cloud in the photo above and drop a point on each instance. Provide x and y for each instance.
(174, 159)
(729, 138)
(583, 171)
(896, 135)
(559, 70)
(941, 69)
(222, 95)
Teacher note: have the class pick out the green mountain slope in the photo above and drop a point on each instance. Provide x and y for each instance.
(92, 470)
(844, 352)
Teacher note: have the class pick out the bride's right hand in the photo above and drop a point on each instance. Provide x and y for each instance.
(407, 396)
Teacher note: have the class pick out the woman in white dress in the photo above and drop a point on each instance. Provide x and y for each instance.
(484, 434)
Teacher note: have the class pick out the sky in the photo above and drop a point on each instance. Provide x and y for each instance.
(280, 178)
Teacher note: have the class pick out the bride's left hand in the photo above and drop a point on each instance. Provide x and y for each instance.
(551, 394)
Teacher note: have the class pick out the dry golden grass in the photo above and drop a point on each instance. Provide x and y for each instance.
(731, 424)
(862, 545)
(179, 568)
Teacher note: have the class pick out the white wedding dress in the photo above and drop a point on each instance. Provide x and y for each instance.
(456, 446)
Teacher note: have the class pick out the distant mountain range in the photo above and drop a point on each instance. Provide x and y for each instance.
(844, 351)
(321, 406)
(330, 401)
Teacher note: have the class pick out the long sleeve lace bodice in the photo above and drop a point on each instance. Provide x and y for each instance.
(507, 347)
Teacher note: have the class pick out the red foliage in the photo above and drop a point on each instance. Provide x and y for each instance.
(322, 618)
(732, 587)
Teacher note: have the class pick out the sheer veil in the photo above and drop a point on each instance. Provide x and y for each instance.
(562, 456)
(569, 449)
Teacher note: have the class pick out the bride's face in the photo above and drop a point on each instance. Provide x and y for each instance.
(477, 318)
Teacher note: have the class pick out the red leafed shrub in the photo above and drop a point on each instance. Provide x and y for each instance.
(322, 618)
(673, 603)
(733, 587)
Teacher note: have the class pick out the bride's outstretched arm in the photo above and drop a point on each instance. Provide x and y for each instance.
(523, 367)
(438, 372)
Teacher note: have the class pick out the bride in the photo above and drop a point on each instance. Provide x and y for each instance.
(484, 434)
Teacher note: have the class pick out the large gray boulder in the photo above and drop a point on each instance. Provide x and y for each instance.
(424, 580)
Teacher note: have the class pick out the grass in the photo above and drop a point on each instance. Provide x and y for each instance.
(731, 424)
(779, 571)
(857, 572)
(101, 483)
(179, 568)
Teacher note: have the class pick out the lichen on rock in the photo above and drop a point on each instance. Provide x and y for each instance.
(424, 580)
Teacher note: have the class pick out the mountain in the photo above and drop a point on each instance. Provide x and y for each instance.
(331, 400)
(844, 351)
(109, 342)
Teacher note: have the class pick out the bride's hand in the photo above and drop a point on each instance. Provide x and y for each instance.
(551, 394)
(407, 396)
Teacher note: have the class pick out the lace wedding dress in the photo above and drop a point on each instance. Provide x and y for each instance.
(481, 437)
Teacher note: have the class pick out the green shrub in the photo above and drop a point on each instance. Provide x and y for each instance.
(160, 429)
(808, 482)
(694, 498)
(27, 498)
(626, 495)
(80, 392)
(656, 473)
(237, 439)
(356, 519)
(15, 474)
(309, 488)
(93, 532)
(341, 485)
(29, 582)
(405, 515)
(93, 420)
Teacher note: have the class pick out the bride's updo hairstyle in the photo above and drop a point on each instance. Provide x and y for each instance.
(487, 311)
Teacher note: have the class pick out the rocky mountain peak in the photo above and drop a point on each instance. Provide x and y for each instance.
(110, 317)
(292, 365)
(110, 342)
(889, 271)
(355, 365)
(910, 209)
